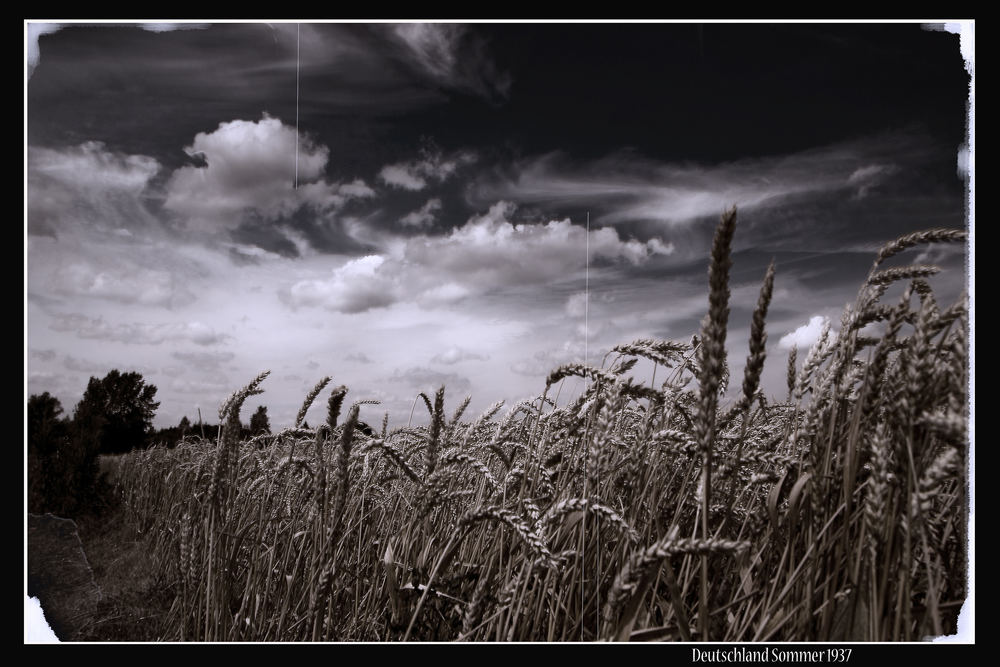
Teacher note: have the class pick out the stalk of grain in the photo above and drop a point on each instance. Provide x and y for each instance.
(310, 397)
(939, 235)
(712, 358)
(343, 476)
(627, 580)
(792, 372)
(758, 340)
(437, 423)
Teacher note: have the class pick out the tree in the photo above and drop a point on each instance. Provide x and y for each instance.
(259, 422)
(47, 435)
(62, 460)
(45, 427)
(118, 410)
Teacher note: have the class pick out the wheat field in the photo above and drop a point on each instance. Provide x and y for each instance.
(637, 511)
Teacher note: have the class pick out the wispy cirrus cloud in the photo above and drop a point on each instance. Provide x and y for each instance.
(136, 333)
(88, 186)
(452, 56)
(869, 176)
(626, 187)
(127, 283)
(103, 268)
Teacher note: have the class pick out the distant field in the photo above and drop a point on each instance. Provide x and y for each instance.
(635, 512)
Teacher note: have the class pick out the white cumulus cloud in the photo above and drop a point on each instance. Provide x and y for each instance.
(253, 166)
(487, 253)
(357, 286)
(455, 354)
(806, 335)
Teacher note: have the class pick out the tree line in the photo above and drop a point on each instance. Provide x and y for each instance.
(114, 416)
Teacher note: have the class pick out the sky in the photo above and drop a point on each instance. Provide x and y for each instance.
(401, 206)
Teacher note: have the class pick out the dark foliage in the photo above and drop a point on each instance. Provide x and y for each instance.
(118, 411)
(172, 435)
(62, 458)
(259, 423)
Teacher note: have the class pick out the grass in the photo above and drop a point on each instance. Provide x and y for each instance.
(135, 600)
(636, 511)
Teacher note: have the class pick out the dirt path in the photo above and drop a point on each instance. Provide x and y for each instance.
(94, 577)
(60, 576)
